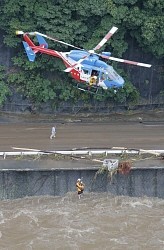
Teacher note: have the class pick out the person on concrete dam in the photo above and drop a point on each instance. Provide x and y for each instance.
(80, 187)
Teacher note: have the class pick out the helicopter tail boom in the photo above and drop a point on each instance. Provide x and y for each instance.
(28, 45)
(31, 49)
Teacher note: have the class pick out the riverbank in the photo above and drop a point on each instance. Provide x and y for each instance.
(82, 131)
(131, 115)
(37, 176)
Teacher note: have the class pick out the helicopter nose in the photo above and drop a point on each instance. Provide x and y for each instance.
(110, 84)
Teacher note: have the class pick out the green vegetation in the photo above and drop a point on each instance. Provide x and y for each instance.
(4, 90)
(82, 23)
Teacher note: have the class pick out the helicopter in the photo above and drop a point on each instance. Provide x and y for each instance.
(85, 66)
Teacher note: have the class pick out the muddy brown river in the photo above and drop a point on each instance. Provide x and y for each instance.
(96, 221)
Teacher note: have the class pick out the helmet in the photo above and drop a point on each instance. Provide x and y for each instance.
(78, 179)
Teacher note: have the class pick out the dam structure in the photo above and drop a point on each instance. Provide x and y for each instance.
(37, 173)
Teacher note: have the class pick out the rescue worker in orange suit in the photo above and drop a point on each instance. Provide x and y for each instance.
(93, 79)
(80, 187)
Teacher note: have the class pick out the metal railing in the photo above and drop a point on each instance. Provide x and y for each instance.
(89, 152)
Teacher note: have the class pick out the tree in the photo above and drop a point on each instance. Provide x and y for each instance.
(82, 23)
(4, 89)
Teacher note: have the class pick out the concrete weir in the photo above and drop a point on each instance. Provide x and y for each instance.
(21, 178)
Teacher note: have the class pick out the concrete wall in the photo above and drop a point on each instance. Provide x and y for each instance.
(21, 183)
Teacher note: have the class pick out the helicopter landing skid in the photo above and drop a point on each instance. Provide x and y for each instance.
(89, 90)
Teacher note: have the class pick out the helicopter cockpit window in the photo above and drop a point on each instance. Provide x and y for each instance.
(104, 76)
(94, 73)
(112, 75)
(86, 72)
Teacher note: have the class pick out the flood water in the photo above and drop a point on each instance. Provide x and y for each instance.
(96, 221)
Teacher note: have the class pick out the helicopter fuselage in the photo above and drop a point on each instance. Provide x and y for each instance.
(84, 65)
(90, 70)
(91, 65)
(107, 77)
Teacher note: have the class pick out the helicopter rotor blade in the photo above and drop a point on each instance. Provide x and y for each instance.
(126, 61)
(56, 40)
(76, 64)
(106, 38)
